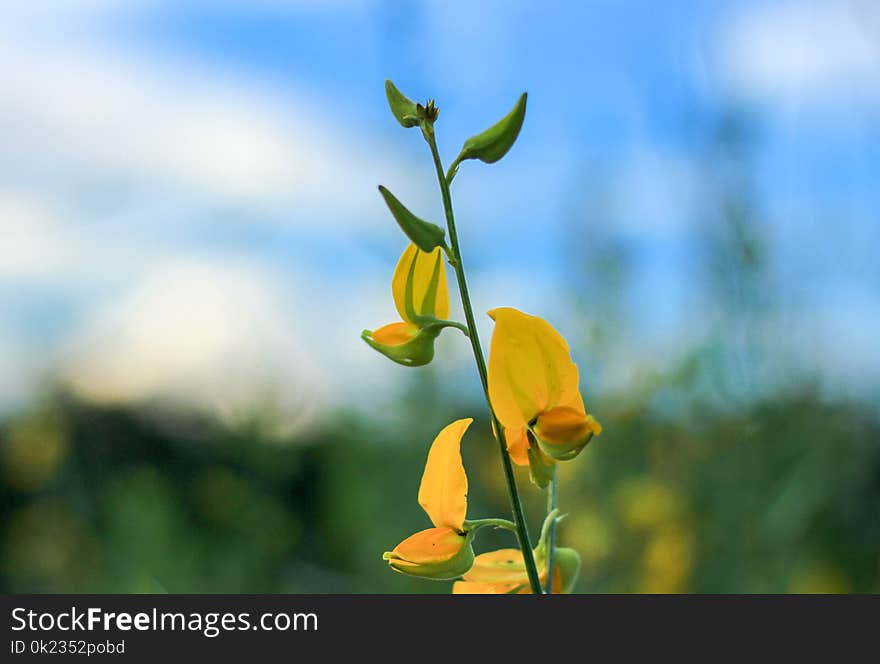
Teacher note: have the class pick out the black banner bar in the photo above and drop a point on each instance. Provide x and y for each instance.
(234, 627)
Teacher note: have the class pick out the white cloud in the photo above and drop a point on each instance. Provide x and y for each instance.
(218, 338)
(169, 129)
(46, 245)
(112, 159)
(801, 50)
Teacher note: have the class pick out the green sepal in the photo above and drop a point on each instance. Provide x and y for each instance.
(540, 551)
(402, 107)
(493, 143)
(540, 467)
(425, 235)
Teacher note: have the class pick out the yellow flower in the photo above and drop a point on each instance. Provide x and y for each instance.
(444, 551)
(421, 296)
(503, 572)
(533, 387)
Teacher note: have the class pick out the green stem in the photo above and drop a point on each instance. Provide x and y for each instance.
(552, 498)
(497, 523)
(522, 531)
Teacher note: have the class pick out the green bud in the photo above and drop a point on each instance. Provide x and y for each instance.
(425, 235)
(428, 112)
(567, 563)
(492, 144)
(403, 108)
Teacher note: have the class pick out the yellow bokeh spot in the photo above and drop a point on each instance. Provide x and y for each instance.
(32, 451)
(590, 534)
(667, 561)
(819, 579)
(647, 503)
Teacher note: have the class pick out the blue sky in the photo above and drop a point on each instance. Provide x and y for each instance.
(180, 178)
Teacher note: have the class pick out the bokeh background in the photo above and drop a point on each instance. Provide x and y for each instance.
(191, 242)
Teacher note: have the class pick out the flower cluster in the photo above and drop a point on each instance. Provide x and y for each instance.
(531, 386)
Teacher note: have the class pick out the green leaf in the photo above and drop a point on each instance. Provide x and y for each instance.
(492, 144)
(403, 108)
(425, 235)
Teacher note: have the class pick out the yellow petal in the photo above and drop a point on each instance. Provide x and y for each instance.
(564, 424)
(474, 588)
(443, 491)
(419, 269)
(530, 368)
(501, 566)
(518, 445)
(432, 545)
(394, 334)
(503, 571)
(564, 431)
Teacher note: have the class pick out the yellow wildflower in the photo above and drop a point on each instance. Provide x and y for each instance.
(421, 296)
(533, 387)
(444, 551)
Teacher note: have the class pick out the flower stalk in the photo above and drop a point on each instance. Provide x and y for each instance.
(529, 380)
(522, 531)
(552, 499)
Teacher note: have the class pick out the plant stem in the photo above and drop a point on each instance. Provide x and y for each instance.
(552, 498)
(497, 523)
(522, 531)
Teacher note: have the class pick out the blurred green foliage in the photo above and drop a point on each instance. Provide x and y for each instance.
(779, 497)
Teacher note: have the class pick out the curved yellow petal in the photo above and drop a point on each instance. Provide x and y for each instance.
(562, 432)
(426, 275)
(530, 367)
(503, 572)
(432, 545)
(563, 425)
(501, 566)
(435, 553)
(444, 487)
(570, 394)
(394, 334)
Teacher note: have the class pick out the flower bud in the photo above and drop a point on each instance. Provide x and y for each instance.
(404, 343)
(402, 107)
(566, 565)
(493, 143)
(425, 235)
(436, 553)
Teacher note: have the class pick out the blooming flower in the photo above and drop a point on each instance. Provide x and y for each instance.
(421, 296)
(533, 387)
(503, 572)
(444, 551)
